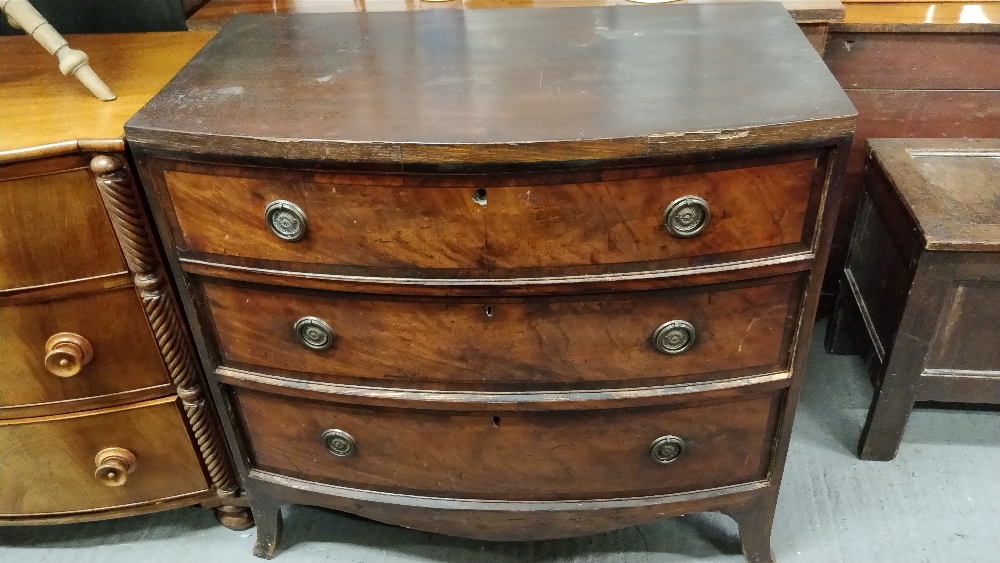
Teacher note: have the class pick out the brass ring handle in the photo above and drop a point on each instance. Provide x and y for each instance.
(66, 353)
(666, 449)
(674, 337)
(339, 443)
(114, 466)
(314, 333)
(686, 216)
(286, 220)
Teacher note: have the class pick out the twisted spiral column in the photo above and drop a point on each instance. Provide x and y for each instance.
(129, 221)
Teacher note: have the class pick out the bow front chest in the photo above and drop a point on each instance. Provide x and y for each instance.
(499, 274)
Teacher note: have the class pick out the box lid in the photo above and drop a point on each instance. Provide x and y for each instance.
(950, 187)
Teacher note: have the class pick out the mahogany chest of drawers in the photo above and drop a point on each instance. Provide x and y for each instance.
(103, 407)
(503, 276)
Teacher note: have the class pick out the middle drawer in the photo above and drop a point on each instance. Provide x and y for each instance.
(82, 351)
(552, 342)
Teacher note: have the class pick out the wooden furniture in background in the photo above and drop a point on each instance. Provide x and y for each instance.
(813, 16)
(103, 409)
(920, 291)
(447, 272)
(913, 70)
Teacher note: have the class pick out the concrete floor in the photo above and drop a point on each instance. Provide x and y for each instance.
(939, 501)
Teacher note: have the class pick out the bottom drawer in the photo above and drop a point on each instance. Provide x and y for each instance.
(47, 465)
(524, 454)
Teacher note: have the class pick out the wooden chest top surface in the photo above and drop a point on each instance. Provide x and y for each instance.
(950, 187)
(360, 86)
(42, 108)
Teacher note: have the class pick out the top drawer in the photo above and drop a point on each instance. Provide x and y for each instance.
(53, 228)
(480, 226)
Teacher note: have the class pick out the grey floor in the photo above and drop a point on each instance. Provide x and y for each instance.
(939, 501)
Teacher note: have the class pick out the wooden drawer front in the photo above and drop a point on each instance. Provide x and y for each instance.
(49, 463)
(53, 228)
(423, 222)
(539, 342)
(527, 454)
(125, 356)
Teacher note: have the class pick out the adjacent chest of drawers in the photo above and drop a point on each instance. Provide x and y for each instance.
(498, 276)
(103, 407)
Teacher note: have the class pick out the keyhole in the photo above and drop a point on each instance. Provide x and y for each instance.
(479, 196)
(489, 311)
(496, 422)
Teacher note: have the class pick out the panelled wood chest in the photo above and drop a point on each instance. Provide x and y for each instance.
(498, 276)
(918, 294)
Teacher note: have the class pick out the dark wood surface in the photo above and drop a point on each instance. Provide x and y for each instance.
(436, 85)
(374, 223)
(581, 454)
(913, 61)
(58, 479)
(812, 16)
(951, 193)
(547, 298)
(560, 342)
(918, 290)
(908, 77)
(961, 346)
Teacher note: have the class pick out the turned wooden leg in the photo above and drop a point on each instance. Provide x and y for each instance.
(755, 520)
(236, 518)
(267, 514)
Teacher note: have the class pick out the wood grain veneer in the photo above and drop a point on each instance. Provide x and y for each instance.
(125, 356)
(37, 204)
(559, 342)
(581, 454)
(551, 221)
(58, 480)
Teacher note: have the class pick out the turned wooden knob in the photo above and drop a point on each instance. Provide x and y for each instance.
(66, 354)
(113, 466)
